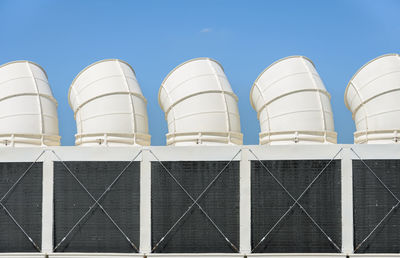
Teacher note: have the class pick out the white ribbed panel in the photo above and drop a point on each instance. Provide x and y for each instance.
(199, 105)
(28, 110)
(373, 95)
(109, 107)
(292, 103)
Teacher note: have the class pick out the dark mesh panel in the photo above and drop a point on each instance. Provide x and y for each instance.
(195, 233)
(96, 233)
(24, 203)
(296, 233)
(372, 202)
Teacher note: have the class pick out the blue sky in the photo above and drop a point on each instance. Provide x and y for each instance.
(155, 36)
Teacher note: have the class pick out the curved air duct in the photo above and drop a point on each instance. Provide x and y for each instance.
(109, 107)
(199, 105)
(373, 95)
(28, 110)
(292, 103)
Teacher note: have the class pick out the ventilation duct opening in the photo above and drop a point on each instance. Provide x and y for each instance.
(292, 104)
(200, 106)
(28, 110)
(373, 95)
(109, 107)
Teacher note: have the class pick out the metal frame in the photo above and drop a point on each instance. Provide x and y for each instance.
(394, 207)
(167, 153)
(196, 202)
(9, 191)
(96, 201)
(296, 201)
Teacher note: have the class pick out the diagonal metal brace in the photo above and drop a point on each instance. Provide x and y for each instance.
(9, 191)
(195, 202)
(394, 207)
(20, 227)
(296, 202)
(97, 202)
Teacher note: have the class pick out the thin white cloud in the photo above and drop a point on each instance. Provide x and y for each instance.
(206, 30)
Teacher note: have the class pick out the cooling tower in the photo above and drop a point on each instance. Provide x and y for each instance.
(109, 107)
(199, 104)
(373, 95)
(292, 104)
(28, 110)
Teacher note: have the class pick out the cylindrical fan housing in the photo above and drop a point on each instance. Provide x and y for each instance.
(373, 95)
(200, 106)
(28, 110)
(292, 104)
(109, 107)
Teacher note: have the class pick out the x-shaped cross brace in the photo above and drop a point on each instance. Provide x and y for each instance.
(195, 202)
(9, 213)
(97, 202)
(296, 201)
(387, 214)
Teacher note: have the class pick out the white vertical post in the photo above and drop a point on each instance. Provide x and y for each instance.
(145, 202)
(347, 202)
(245, 202)
(47, 202)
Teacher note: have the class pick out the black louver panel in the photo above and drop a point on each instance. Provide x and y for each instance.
(24, 204)
(96, 232)
(372, 202)
(195, 232)
(296, 232)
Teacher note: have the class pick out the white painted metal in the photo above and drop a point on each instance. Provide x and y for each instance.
(109, 107)
(145, 203)
(199, 105)
(299, 255)
(373, 95)
(347, 201)
(373, 256)
(245, 202)
(196, 255)
(28, 110)
(47, 203)
(292, 104)
(94, 255)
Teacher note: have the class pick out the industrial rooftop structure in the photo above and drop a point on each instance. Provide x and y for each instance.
(205, 194)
